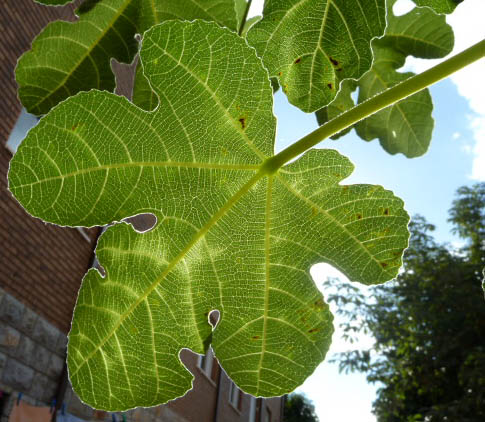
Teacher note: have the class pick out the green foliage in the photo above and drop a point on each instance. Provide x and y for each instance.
(429, 353)
(440, 6)
(468, 218)
(405, 127)
(299, 409)
(237, 227)
(67, 58)
(228, 242)
(312, 46)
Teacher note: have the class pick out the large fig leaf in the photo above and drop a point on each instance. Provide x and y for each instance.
(67, 58)
(311, 46)
(405, 127)
(230, 234)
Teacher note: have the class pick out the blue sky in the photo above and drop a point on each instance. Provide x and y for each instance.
(426, 184)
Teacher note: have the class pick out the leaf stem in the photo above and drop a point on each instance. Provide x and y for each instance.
(392, 95)
(245, 16)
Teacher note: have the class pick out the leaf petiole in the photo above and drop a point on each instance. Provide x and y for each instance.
(377, 103)
(244, 18)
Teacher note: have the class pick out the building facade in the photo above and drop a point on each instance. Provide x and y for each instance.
(41, 268)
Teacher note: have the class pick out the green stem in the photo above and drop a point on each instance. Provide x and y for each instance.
(245, 16)
(377, 103)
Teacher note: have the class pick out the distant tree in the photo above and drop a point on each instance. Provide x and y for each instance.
(428, 324)
(468, 216)
(299, 409)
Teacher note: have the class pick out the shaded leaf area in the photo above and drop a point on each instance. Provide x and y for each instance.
(143, 96)
(428, 325)
(67, 58)
(439, 6)
(312, 46)
(405, 127)
(229, 236)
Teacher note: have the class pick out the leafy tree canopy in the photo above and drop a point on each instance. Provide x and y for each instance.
(428, 325)
(299, 409)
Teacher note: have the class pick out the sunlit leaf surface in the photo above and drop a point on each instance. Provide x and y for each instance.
(229, 235)
(311, 46)
(67, 58)
(405, 127)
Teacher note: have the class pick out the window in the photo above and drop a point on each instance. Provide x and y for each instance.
(252, 409)
(267, 415)
(234, 396)
(206, 363)
(25, 122)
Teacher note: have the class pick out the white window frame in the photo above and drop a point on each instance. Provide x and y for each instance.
(252, 409)
(205, 364)
(234, 395)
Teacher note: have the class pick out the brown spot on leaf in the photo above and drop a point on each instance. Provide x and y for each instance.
(383, 264)
(386, 211)
(320, 304)
(280, 73)
(255, 337)
(314, 330)
(339, 69)
(359, 216)
(334, 62)
(330, 86)
(298, 60)
(242, 120)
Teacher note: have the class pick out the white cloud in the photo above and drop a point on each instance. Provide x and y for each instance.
(456, 135)
(467, 23)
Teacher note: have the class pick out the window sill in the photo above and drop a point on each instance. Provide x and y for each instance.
(84, 234)
(207, 377)
(234, 408)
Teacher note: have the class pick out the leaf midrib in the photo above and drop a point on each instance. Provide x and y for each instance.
(199, 235)
(202, 232)
(138, 164)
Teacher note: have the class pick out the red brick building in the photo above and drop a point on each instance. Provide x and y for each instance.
(41, 268)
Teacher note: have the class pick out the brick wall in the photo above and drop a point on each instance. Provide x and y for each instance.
(31, 18)
(41, 264)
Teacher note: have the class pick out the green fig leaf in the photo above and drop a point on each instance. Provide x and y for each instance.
(312, 46)
(230, 235)
(405, 127)
(67, 58)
